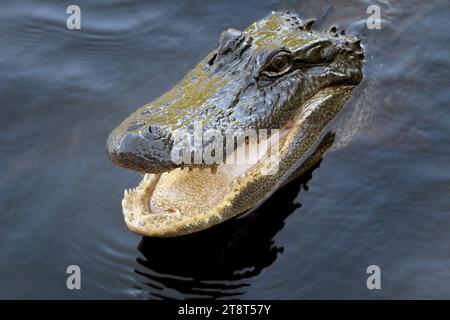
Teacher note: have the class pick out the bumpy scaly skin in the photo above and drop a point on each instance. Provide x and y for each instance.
(236, 87)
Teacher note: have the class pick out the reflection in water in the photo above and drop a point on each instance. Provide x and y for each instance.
(214, 263)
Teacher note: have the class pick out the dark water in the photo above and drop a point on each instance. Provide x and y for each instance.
(384, 199)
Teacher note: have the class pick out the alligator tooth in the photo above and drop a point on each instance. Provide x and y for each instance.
(178, 215)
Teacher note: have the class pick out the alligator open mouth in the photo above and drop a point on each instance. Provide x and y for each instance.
(184, 201)
(276, 74)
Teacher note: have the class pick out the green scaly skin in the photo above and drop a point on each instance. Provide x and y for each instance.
(276, 74)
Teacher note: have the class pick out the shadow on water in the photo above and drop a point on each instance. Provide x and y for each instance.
(216, 262)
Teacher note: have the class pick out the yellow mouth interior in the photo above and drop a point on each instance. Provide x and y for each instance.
(191, 192)
(184, 201)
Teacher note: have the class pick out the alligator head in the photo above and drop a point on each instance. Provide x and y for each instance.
(277, 76)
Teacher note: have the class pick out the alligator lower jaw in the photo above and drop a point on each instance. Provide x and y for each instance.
(183, 201)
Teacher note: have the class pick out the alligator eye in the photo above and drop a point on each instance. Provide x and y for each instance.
(278, 64)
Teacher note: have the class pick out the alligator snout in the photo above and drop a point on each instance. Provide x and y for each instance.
(137, 149)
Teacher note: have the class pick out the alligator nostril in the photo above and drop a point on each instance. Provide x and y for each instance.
(154, 132)
(356, 45)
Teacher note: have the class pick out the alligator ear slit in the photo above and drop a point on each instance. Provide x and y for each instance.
(308, 24)
(211, 61)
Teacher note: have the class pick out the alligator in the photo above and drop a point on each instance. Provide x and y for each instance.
(278, 75)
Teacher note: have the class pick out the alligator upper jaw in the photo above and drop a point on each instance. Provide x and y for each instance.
(183, 201)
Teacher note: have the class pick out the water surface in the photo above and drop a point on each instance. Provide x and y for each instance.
(383, 199)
